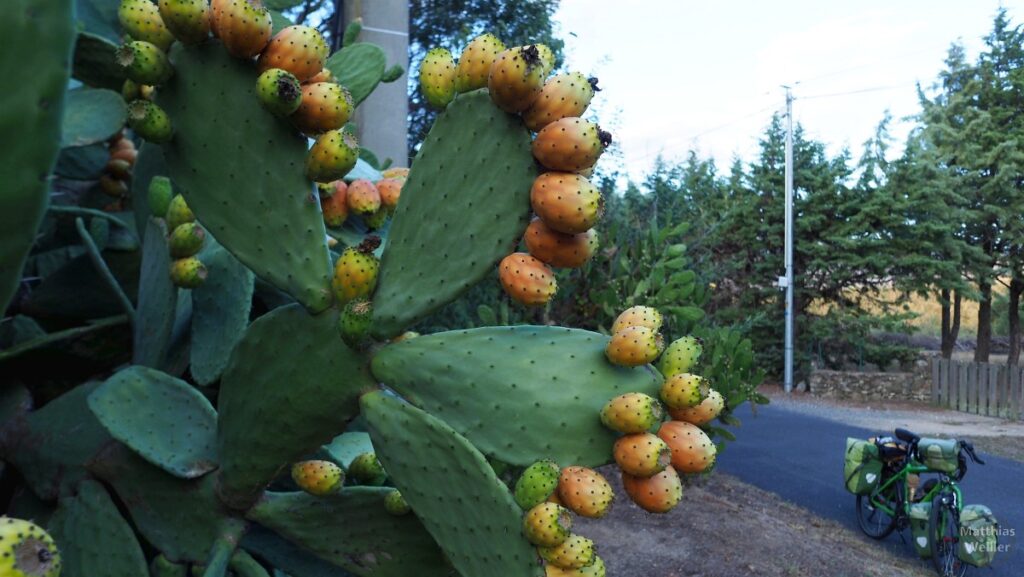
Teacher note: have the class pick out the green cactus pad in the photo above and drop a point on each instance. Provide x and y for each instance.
(251, 194)
(520, 393)
(51, 450)
(180, 517)
(287, 358)
(220, 312)
(157, 300)
(346, 447)
(286, 556)
(358, 67)
(93, 538)
(352, 530)
(94, 62)
(163, 419)
(452, 489)
(30, 125)
(92, 115)
(464, 207)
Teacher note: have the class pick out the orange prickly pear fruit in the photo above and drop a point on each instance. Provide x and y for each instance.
(333, 155)
(557, 248)
(324, 75)
(547, 525)
(188, 20)
(355, 273)
(570, 144)
(692, 449)
(585, 491)
(475, 62)
(638, 316)
(703, 413)
(634, 346)
(574, 553)
(642, 454)
(325, 106)
(516, 78)
(390, 190)
(527, 280)
(318, 477)
(563, 96)
(595, 569)
(300, 50)
(632, 413)
(566, 202)
(683, 390)
(437, 77)
(363, 197)
(334, 202)
(659, 493)
(141, 20)
(243, 26)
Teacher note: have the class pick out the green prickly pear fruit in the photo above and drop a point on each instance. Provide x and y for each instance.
(141, 20)
(355, 273)
(318, 477)
(376, 220)
(585, 492)
(638, 316)
(703, 413)
(26, 550)
(363, 197)
(149, 121)
(160, 195)
(547, 525)
(692, 449)
(188, 273)
(356, 319)
(516, 78)
(575, 552)
(178, 213)
(681, 356)
(396, 504)
(334, 202)
(244, 26)
(683, 390)
(437, 77)
(186, 240)
(325, 106)
(632, 413)
(570, 144)
(475, 62)
(567, 203)
(333, 155)
(188, 20)
(563, 96)
(279, 91)
(595, 569)
(367, 470)
(527, 280)
(144, 63)
(300, 50)
(634, 346)
(536, 484)
(642, 454)
(557, 248)
(658, 493)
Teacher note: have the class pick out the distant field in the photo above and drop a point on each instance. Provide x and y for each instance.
(929, 315)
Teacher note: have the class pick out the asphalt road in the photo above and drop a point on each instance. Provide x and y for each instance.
(800, 458)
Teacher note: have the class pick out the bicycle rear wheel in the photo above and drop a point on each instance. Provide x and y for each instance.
(874, 521)
(944, 527)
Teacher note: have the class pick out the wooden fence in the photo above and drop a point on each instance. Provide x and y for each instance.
(981, 388)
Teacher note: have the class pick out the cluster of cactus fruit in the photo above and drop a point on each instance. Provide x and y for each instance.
(280, 443)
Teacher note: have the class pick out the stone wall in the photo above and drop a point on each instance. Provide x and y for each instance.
(863, 386)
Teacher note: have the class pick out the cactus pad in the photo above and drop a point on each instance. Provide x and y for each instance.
(464, 207)
(518, 393)
(157, 300)
(240, 169)
(287, 358)
(358, 67)
(288, 558)
(352, 530)
(451, 488)
(220, 312)
(93, 538)
(92, 115)
(163, 419)
(346, 447)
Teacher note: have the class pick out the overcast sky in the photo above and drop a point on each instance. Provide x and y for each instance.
(679, 75)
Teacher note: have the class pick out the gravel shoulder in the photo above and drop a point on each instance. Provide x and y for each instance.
(727, 528)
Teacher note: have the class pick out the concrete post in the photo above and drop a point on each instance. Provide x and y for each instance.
(383, 117)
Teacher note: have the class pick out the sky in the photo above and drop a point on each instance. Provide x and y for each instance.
(679, 75)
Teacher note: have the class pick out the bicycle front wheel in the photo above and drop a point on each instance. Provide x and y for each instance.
(872, 518)
(944, 527)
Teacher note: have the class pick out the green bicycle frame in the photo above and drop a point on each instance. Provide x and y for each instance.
(908, 469)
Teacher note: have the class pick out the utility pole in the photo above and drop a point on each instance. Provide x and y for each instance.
(788, 374)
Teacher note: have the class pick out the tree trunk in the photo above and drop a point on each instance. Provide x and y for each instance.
(950, 322)
(984, 346)
(1016, 288)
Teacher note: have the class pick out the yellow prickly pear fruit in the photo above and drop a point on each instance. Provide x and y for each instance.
(141, 20)
(638, 316)
(318, 477)
(634, 346)
(355, 273)
(475, 62)
(703, 413)
(516, 78)
(188, 273)
(563, 96)
(26, 550)
(437, 77)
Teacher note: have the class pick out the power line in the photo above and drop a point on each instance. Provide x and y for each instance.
(861, 91)
(686, 140)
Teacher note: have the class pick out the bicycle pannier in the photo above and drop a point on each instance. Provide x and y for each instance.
(940, 455)
(862, 468)
(920, 517)
(979, 536)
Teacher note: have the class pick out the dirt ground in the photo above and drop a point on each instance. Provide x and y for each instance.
(989, 434)
(727, 528)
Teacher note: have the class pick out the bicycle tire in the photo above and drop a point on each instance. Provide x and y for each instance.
(874, 522)
(944, 529)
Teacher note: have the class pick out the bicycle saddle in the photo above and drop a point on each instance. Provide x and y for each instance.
(906, 436)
